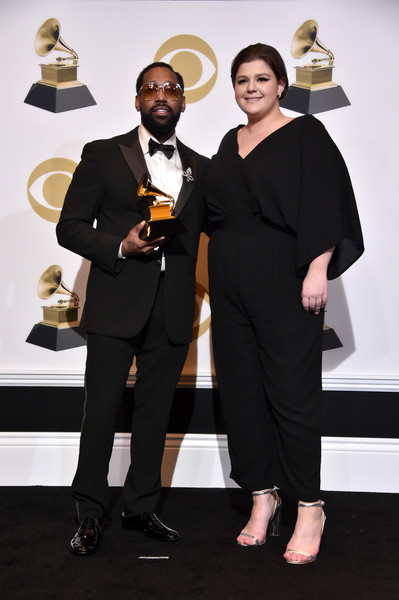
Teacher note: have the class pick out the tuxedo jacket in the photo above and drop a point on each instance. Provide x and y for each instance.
(99, 210)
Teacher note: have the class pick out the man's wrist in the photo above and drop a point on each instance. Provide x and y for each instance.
(120, 251)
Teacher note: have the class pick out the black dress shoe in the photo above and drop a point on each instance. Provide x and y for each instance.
(149, 524)
(87, 538)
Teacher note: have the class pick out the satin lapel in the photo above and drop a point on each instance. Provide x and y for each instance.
(134, 158)
(188, 161)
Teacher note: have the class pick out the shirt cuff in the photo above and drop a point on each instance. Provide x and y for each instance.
(120, 255)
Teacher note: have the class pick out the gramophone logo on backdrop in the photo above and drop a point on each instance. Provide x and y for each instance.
(313, 91)
(195, 60)
(60, 327)
(58, 90)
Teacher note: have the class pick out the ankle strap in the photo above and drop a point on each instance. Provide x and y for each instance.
(273, 489)
(311, 504)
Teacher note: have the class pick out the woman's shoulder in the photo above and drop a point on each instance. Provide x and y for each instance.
(229, 140)
(311, 129)
(232, 133)
(310, 123)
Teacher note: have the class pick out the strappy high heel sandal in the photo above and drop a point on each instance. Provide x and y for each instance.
(273, 528)
(309, 557)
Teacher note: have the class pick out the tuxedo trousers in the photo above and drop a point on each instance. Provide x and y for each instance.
(267, 353)
(159, 363)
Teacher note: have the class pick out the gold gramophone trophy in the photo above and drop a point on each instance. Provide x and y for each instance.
(58, 90)
(60, 327)
(157, 213)
(313, 91)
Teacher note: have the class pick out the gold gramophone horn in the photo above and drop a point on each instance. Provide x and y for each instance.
(51, 283)
(305, 40)
(146, 188)
(48, 38)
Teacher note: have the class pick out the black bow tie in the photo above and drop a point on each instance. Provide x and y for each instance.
(154, 146)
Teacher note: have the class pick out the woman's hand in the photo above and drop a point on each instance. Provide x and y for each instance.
(314, 292)
(315, 286)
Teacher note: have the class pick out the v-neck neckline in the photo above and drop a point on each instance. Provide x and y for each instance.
(261, 141)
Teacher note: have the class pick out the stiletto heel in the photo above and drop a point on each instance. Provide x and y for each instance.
(275, 522)
(273, 528)
(310, 557)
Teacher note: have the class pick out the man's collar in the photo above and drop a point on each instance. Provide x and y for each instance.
(145, 135)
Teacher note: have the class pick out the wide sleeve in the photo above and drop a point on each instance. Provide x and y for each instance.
(75, 229)
(328, 214)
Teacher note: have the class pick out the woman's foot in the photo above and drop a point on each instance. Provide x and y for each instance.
(304, 544)
(265, 505)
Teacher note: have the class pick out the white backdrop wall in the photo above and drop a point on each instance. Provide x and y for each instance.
(114, 40)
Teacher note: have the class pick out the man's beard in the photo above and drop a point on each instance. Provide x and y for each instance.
(157, 128)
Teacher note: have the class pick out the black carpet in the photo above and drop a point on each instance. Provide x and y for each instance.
(358, 557)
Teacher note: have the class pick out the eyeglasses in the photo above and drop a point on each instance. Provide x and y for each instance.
(149, 91)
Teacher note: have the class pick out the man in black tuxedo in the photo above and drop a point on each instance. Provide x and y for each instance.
(140, 300)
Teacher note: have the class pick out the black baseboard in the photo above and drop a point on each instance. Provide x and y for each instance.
(346, 414)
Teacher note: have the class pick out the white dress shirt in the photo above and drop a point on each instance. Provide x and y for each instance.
(166, 173)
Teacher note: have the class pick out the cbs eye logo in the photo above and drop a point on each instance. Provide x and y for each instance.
(47, 186)
(195, 60)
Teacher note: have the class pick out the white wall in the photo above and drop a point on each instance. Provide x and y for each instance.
(195, 460)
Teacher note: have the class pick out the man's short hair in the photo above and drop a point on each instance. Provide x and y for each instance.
(140, 78)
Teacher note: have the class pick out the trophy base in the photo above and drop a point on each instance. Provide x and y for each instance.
(59, 100)
(162, 227)
(310, 102)
(56, 339)
(330, 339)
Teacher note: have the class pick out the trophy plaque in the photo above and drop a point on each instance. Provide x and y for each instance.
(313, 91)
(157, 213)
(58, 90)
(60, 328)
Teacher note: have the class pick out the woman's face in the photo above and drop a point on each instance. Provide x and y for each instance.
(256, 88)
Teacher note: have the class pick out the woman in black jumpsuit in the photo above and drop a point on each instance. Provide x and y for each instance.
(283, 220)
